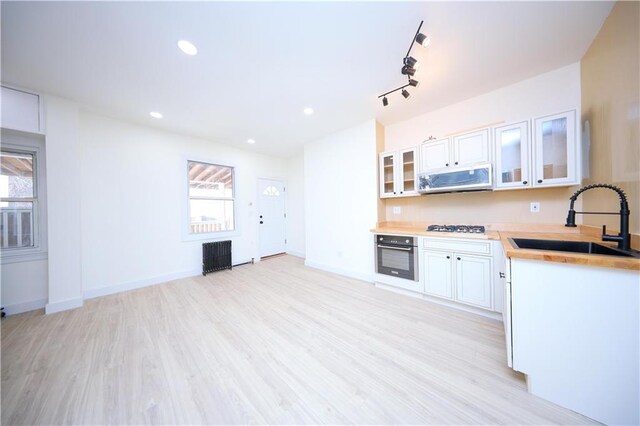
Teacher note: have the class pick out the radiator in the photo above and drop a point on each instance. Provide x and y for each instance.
(216, 256)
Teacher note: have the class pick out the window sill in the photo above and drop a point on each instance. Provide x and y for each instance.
(30, 256)
(210, 236)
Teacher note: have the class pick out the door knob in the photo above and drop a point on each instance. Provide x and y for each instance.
(539, 180)
(261, 222)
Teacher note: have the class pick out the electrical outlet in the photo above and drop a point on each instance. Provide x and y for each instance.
(535, 207)
(397, 209)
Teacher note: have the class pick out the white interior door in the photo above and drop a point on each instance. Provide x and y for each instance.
(271, 217)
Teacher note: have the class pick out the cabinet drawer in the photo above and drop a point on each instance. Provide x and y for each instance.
(463, 246)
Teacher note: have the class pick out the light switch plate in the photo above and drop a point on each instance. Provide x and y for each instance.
(535, 207)
(397, 209)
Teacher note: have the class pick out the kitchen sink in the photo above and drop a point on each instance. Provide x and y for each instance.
(571, 247)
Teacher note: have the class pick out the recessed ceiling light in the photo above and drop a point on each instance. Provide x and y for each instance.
(308, 110)
(251, 141)
(155, 114)
(187, 47)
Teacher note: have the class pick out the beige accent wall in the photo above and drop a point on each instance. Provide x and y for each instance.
(483, 207)
(379, 149)
(611, 103)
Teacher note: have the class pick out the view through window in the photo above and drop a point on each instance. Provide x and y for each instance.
(211, 198)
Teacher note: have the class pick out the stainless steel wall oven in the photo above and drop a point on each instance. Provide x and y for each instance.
(396, 256)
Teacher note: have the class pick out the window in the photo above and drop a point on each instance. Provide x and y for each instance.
(18, 199)
(211, 198)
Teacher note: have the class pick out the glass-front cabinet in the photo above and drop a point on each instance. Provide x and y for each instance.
(398, 173)
(512, 155)
(546, 155)
(387, 174)
(555, 149)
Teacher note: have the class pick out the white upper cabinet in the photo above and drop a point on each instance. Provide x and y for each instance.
(471, 148)
(555, 147)
(512, 155)
(461, 150)
(545, 156)
(435, 154)
(387, 174)
(21, 110)
(398, 173)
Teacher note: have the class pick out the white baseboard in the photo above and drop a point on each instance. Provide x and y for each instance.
(64, 305)
(459, 306)
(296, 253)
(340, 271)
(18, 308)
(132, 285)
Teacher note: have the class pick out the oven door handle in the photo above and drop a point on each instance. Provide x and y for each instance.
(396, 248)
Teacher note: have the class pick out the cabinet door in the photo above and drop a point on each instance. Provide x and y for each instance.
(512, 155)
(387, 172)
(408, 172)
(434, 155)
(555, 150)
(473, 280)
(438, 273)
(471, 148)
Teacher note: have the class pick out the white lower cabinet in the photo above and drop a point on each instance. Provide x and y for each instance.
(438, 277)
(460, 271)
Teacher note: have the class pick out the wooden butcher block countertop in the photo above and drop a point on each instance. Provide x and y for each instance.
(504, 231)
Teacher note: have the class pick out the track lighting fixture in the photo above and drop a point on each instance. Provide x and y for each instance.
(409, 67)
(411, 62)
(407, 70)
(423, 40)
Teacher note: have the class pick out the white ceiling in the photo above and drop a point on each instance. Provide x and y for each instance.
(260, 64)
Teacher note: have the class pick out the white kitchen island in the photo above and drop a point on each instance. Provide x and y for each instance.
(576, 335)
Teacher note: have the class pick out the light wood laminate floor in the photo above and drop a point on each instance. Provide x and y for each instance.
(275, 342)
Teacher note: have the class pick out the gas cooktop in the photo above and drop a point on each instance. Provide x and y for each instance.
(465, 229)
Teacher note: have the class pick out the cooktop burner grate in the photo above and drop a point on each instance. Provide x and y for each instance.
(465, 229)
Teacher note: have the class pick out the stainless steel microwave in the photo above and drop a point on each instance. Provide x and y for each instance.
(477, 177)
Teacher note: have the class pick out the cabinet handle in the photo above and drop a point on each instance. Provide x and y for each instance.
(447, 165)
(458, 258)
(394, 192)
(524, 182)
(448, 257)
(401, 192)
(456, 163)
(502, 275)
(539, 180)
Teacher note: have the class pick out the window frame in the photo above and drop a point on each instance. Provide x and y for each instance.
(33, 144)
(187, 234)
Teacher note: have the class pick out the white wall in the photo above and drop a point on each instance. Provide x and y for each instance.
(24, 286)
(555, 91)
(63, 204)
(341, 201)
(295, 205)
(134, 199)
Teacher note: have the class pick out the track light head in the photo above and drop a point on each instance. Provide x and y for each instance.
(411, 61)
(414, 83)
(385, 102)
(405, 93)
(423, 40)
(407, 70)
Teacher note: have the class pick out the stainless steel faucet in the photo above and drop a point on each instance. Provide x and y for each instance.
(623, 238)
